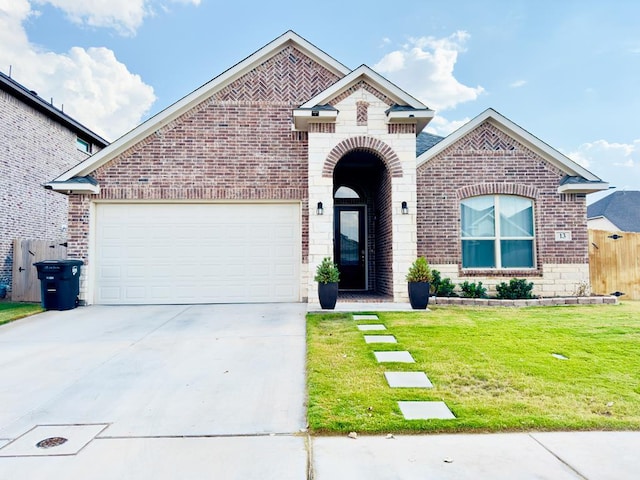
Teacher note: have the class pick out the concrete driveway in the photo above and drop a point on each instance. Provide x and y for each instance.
(125, 385)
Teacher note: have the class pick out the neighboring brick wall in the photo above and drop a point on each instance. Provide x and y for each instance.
(236, 145)
(487, 161)
(34, 149)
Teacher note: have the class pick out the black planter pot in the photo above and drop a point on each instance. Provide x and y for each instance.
(328, 295)
(419, 295)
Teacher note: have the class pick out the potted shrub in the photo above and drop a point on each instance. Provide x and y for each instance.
(327, 276)
(419, 279)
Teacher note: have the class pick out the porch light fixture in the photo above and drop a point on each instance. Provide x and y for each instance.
(320, 209)
(405, 209)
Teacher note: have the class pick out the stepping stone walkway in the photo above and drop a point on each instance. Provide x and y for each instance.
(425, 410)
(398, 356)
(408, 380)
(371, 327)
(411, 410)
(380, 339)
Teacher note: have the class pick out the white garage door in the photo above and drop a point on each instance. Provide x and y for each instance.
(197, 253)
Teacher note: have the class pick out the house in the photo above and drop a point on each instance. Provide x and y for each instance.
(37, 142)
(236, 192)
(617, 212)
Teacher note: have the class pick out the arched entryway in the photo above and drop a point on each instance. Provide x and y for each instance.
(363, 222)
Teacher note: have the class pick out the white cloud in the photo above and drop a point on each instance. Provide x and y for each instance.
(518, 84)
(615, 163)
(425, 66)
(124, 16)
(439, 125)
(94, 87)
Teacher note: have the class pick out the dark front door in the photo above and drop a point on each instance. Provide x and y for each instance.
(350, 247)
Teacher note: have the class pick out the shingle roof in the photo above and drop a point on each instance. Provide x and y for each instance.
(424, 141)
(620, 208)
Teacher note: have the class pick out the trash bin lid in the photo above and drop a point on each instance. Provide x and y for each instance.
(61, 262)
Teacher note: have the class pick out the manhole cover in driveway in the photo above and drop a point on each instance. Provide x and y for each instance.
(51, 442)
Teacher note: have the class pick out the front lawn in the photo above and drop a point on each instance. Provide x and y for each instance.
(10, 311)
(493, 367)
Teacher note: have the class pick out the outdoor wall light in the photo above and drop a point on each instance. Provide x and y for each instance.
(320, 209)
(405, 209)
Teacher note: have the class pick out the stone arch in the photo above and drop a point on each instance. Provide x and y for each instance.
(366, 144)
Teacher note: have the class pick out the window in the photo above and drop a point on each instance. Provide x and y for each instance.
(497, 232)
(346, 192)
(83, 145)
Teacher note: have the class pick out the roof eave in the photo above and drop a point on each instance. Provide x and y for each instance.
(590, 187)
(73, 188)
(302, 117)
(421, 117)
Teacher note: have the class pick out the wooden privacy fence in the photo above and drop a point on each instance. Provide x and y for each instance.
(614, 263)
(25, 286)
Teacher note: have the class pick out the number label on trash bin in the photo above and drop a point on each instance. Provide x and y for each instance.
(74, 270)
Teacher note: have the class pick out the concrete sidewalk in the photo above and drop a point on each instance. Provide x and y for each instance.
(557, 456)
(552, 456)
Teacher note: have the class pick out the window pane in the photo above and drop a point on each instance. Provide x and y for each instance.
(478, 217)
(349, 238)
(346, 192)
(478, 254)
(516, 253)
(516, 217)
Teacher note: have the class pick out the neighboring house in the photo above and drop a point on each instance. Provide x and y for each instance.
(236, 192)
(37, 142)
(617, 212)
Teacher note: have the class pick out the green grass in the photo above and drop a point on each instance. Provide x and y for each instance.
(10, 311)
(492, 366)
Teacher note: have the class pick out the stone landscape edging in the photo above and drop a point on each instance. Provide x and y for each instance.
(544, 301)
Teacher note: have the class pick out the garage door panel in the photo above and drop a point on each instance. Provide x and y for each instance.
(197, 253)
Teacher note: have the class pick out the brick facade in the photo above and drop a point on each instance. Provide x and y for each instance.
(236, 145)
(484, 162)
(35, 149)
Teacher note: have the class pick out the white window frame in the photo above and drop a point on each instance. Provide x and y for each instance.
(497, 237)
(83, 145)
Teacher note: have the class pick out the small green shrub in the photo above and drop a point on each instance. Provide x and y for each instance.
(473, 290)
(517, 288)
(442, 287)
(327, 272)
(420, 271)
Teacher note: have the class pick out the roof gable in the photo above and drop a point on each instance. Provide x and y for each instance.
(578, 179)
(195, 98)
(411, 109)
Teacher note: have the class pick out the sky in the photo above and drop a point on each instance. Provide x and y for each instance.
(566, 71)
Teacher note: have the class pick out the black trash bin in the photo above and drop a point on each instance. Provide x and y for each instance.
(59, 283)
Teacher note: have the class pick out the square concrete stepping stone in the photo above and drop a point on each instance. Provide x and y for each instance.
(399, 357)
(408, 380)
(52, 440)
(380, 339)
(371, 327)
(365, 317)
(425, 411)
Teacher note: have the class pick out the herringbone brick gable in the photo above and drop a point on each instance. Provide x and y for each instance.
(288, 76)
